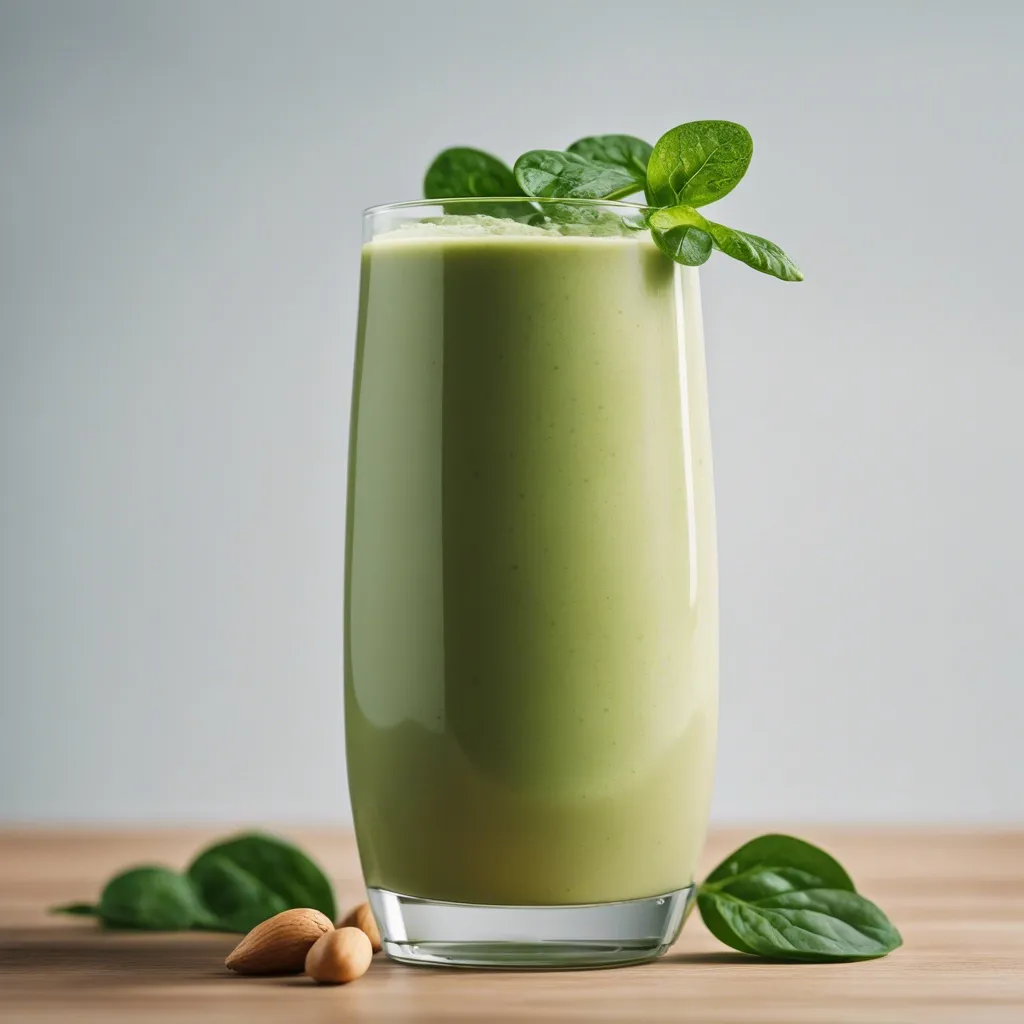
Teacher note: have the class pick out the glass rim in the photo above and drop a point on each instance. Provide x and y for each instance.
(411, 204)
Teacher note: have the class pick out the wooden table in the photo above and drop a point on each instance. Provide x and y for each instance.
(958, 898)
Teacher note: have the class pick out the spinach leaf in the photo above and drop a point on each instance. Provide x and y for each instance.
(462, 172)
(697, 163)
(241, 900)
(813, 925)
(275, 867)
(154, 899)
(755, 251)
(780, 897)
(625, 151)
(681, 233)
(231, 886)
(550, 172)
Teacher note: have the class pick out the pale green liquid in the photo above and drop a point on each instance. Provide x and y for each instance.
(531, 594)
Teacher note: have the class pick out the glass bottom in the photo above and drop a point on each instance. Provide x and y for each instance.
(418, 931)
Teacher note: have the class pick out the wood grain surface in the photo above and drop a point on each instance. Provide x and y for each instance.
(958, 898)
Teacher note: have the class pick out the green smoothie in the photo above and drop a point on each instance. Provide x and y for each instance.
(531, 581)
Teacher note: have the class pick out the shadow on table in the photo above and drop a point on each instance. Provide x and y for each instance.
(89, 958)
(85, 957)
(699, 959)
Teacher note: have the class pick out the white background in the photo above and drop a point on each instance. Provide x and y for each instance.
(180, 191)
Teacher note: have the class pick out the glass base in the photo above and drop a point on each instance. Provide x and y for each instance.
(418, 931)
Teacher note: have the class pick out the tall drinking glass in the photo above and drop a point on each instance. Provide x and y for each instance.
(531, 607)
